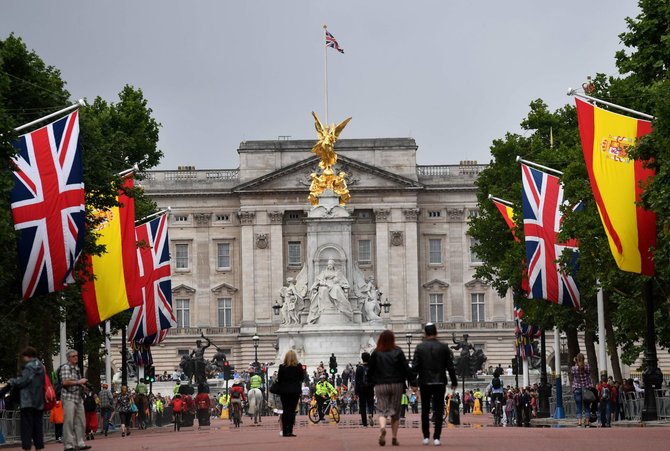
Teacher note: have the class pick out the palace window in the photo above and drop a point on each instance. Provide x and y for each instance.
(435, 251)
(294, 253)
(225, 312)
(436, 303)
(364, 252)
(474, 258)
(182, 260)
(223, 218)
(181, 218)
(434, 213)
(183, 312)
(477, 307)
(223, 255)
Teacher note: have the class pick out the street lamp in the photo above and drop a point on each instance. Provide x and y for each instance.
(408, 338)
(386, 305)
(256, 340)
(559, 413)
(276, 308)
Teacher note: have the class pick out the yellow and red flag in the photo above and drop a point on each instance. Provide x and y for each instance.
(116, 286)
(617, 182)
(507, 213)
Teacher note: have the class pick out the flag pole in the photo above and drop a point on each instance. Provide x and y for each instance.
(74, 106)
(539, 166)
(325, 71)
(129, 171)
(158, 213)
(573, 92)
(502, 201)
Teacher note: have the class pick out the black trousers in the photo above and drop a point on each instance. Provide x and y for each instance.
(31, 428)
(366, 404)
(288, 405)
(320, 401)
(436, 394)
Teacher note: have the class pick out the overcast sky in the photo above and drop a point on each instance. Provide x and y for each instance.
(453, 75)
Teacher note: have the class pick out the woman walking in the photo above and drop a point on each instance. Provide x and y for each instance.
(123, 408)
(289, 378)
(581, 383)
(388, 371)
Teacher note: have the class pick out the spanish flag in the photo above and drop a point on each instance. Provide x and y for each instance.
(507, 213)
(616, 182)
(116, 286)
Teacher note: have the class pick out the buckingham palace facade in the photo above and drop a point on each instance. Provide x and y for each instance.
(236, 235)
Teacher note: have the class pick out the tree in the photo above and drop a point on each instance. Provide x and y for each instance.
(114, 136)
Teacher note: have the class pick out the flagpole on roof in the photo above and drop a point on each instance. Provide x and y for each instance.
(536, 165)
(573, 92)
(129, 171)
(325, 70)
(74, 106)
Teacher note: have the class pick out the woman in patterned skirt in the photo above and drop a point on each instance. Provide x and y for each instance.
(388, 371)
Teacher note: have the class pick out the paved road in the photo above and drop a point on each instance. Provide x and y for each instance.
(475, 433)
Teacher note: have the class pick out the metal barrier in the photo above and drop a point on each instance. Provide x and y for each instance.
(10, 426)
(663, 405)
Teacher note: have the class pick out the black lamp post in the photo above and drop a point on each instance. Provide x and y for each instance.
(256, 340)
(544, 389)
(408, 338)
(276, 308)
(386, 305)
(559, 413)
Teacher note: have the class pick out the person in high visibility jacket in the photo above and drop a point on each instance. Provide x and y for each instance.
(324, 390)
(256, 381)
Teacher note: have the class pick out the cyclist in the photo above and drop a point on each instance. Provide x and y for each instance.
(496, 391)
(324, 390)
(237, 396)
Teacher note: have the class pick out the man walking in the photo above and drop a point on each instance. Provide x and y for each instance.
(432, 359)
(106, 405)
(73, 403)
(365, 391)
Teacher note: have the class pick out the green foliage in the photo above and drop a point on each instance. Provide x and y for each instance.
(114, 137)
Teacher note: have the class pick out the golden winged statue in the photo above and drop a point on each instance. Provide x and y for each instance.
(325, 150)
(325, 146)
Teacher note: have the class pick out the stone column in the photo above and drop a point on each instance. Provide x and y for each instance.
(411, 263)
(247, 259)
(276, 256)
(457, 261)
(383, 263)
(201, 315)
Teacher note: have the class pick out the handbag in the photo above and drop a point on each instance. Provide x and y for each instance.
(49, 393)
(133, 408)
(275, 388)
(587, 395)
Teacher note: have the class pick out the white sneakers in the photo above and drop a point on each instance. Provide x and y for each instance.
(426, 441)
(436, 442)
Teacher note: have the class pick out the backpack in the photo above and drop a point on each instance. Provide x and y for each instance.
(235, 394)
(89, 403)
(50, 397)
(604, 393)
(58, 383)
(365, 383)
(495, 383)
(177, 405)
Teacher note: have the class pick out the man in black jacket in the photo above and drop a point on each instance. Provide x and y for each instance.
(31, 384)
(432, 359)
(365, 391)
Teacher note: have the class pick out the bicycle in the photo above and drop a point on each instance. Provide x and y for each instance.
(236, 413)
(329, 408)
(497, 412)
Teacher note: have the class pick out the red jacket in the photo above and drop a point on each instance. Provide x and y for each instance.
(202, 401)
(177, 405)
(240, 389)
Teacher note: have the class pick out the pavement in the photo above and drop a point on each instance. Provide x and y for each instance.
(475, 432)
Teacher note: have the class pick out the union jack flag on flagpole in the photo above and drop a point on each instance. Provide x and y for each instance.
(47, 204)
(542, 195)
(150, 322)
(332, 42)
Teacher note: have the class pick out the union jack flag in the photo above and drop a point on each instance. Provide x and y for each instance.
(332, 42)
(542, 196)
(47, 204)
(150, 322)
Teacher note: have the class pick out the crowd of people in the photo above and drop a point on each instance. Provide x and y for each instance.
(383, 386)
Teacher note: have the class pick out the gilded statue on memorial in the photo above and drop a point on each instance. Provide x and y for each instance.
(325, 150)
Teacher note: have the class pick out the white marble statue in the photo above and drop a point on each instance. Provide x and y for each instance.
(329, 289)
(292, 302)
(370, 305)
